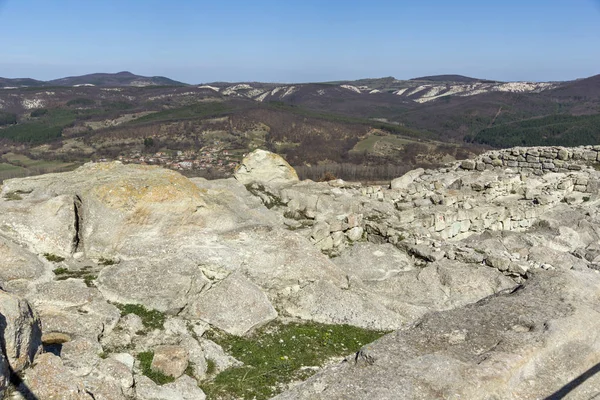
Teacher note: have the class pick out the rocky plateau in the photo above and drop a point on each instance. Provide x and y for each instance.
(485, 273)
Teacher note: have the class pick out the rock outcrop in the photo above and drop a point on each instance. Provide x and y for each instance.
(525, 344)
(264, 167)
(20, 338)
(485, 272)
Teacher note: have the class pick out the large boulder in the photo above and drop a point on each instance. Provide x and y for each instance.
(20, 331)
(406, 179)
(265, 167)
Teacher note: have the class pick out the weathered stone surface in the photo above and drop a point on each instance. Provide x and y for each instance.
(468, 164)
(17, 263)
(355, 234)
(406, 179)
(172, 244)
(371, 262)
(426, 252)
(112, 378)
(158, 284)
(170, 360)
(324, 302)
(246, 306)
(20, 331)
(266, 167)
(527, 344)
(184, 388)
(47, 227)
(215, 353)
(81, 355)
(440, 285)
(187, 388)
(72, 308)
(50, 379)
(4, 375)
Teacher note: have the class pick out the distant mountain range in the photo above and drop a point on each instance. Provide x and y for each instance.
(124, 78)
(451, 78)
(309, 122)
(389, 84)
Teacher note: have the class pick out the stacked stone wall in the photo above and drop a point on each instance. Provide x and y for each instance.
(536, 160)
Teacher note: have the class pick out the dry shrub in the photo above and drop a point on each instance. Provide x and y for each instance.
(327, 176)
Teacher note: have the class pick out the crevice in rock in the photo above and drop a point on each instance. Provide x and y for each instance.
(77, 238)
(91, 394)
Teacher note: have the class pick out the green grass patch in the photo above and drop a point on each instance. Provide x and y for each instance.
(4, 167)
(211, 366)
(281, 353)
(61, 271)
(39, 112)
(145, 360)
(152, 319)
(106, 261)
(13, 196)
(369, 143)
(85, 274)
(45, 128)
(7, 118)
(53, 257)
(117, 105)
(81, 102)
(388, 127)
(43, 166)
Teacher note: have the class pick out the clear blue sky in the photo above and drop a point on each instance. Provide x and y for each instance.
(301, 40)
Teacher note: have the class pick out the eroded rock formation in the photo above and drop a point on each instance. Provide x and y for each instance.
(485, 270)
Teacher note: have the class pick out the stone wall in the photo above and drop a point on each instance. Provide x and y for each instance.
(536, 160)
(501, 190)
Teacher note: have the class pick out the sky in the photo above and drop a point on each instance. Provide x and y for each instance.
(197, 41)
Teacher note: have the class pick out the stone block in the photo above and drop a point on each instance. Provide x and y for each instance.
(468, 164)
(563, 154)
(170, 360)
(355, 233)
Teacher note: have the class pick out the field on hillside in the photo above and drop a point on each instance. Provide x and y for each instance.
(18, 165)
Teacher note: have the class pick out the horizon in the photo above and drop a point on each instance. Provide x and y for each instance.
(301, 42)
(279, 82)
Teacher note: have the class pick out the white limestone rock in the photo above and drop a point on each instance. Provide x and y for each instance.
(265, 167)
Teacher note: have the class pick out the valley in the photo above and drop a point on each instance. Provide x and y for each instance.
(360, 130)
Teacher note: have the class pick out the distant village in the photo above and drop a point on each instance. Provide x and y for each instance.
(208, 158)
